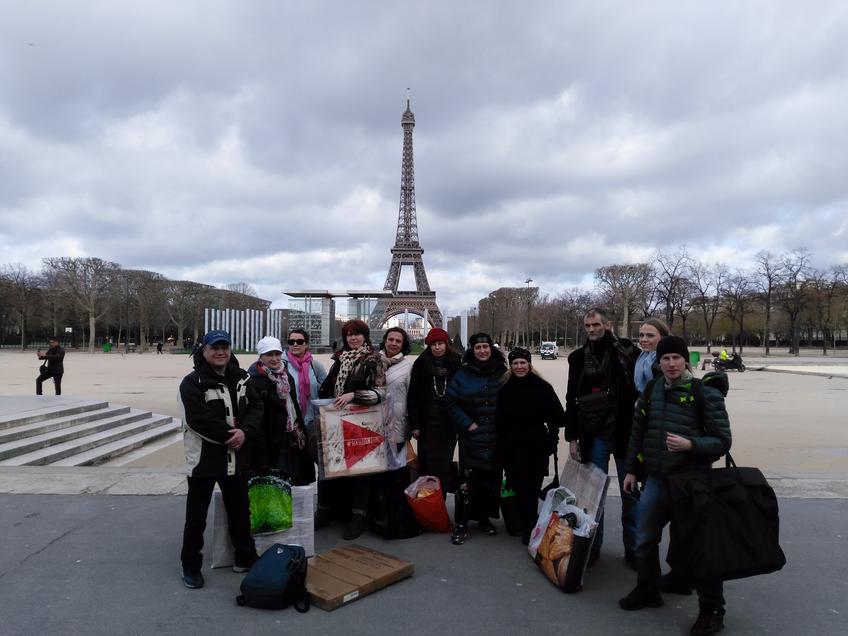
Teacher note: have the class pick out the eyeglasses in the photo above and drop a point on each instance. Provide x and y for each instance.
(296, 341)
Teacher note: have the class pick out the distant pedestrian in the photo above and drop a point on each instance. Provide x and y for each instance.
(222, 415)
(53, 366)
(159, 346)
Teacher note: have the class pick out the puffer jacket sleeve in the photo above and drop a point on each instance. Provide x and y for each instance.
(452, 396)
(717, 438)
(637, 434)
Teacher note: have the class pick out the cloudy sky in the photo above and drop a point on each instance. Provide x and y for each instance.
(260, 141)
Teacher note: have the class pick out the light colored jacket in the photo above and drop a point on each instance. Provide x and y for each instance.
(397, 386)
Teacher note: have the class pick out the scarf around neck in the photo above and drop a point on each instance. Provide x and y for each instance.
(348, 360)
(302, 366)
(280, 378)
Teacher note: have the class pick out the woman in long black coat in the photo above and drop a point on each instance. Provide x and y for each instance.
(528, 418)
(427, 408)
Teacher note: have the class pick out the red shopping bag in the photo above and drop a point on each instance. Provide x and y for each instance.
(425, 498)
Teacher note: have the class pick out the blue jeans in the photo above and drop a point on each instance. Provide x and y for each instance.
(629, 505)
(654, 514)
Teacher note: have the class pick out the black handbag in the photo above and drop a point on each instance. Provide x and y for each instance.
(596, 411)
(724, 524)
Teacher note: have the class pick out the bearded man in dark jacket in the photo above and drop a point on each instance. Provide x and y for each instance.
(599, 412)
(222, 411)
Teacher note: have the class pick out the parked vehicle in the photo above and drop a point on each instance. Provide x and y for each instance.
(548, 351)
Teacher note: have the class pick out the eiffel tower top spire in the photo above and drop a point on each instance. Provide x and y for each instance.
(407, 231)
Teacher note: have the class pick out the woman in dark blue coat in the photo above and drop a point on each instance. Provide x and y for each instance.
(472, 402)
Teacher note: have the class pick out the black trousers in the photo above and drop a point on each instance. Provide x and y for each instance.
(46, 375)
(234, 492)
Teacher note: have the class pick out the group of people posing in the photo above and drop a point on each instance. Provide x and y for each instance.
(623, 402)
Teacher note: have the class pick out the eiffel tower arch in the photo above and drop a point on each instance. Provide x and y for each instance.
(407, 251)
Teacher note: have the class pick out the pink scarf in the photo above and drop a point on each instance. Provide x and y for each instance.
(304, 386)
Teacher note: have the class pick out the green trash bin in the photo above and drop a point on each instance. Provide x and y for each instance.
(107, 347)
(694, 357)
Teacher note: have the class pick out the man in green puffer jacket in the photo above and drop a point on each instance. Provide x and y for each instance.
(671, 433)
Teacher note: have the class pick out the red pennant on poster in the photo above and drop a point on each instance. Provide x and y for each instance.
(358, 441)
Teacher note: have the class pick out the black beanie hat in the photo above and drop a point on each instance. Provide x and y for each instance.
(672, 344)
(518, 352)
(478, 338)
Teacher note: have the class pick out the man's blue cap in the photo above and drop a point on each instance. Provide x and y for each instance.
(217, 335)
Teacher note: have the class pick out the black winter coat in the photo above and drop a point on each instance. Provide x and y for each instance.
(367, 379)
(529, 416)
(272, 448)
(472, 397)
(54, 359)
(620, 382)
(424, 410)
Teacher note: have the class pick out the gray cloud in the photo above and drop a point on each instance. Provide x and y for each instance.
(262, 142)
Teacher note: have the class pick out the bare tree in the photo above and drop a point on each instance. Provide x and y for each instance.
(793, 293)
(147, 289)
(88, 281)
(241, 288)
(23, 288)
(625, 286)
(706, 285)
(824, 287)
(670, 281)
(184, 301)
(738, 299)
(768, 277)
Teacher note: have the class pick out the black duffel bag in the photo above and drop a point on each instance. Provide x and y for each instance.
(724, 524)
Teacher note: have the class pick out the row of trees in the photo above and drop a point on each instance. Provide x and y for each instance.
(782, 300)
(101, 300)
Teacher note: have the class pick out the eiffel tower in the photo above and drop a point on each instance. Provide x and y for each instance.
(407, 250)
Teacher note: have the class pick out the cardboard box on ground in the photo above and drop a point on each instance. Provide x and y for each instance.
(562, 538)
(345, 574)
(301, 533)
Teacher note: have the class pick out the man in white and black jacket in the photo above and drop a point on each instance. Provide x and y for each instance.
(222, 413)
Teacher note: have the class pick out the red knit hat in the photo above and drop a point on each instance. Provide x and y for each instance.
(436, 335)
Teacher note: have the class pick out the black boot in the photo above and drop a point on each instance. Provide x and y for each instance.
(641, 596)
(710, 621)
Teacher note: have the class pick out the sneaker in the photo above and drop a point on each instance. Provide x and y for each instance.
(354, 527)
(710, 621)
(192, 579)
(458, 535)
(641, 596)
(487, 527)
(672, 584)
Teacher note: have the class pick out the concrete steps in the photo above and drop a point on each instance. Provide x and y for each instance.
(75, 432)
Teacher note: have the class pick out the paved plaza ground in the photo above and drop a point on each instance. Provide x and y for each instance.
(74, 563)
